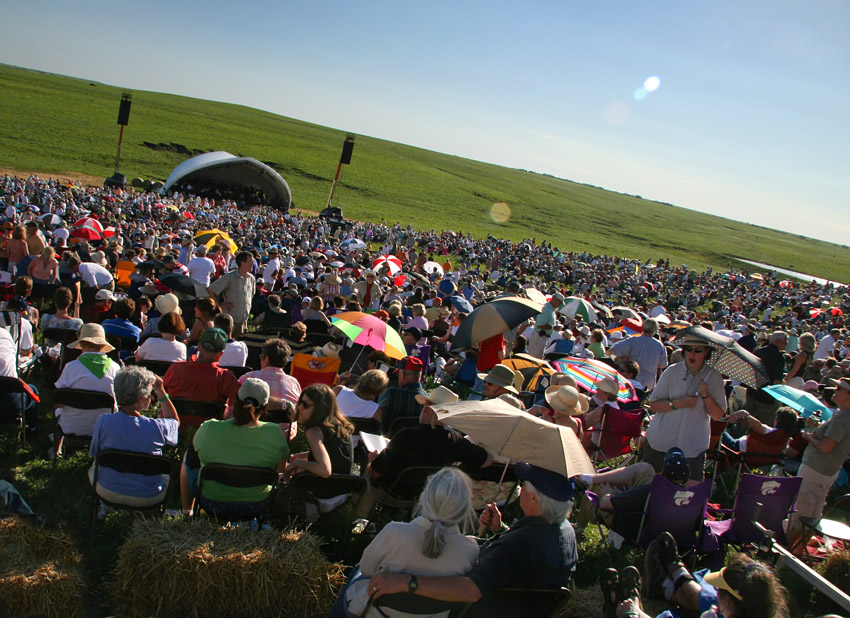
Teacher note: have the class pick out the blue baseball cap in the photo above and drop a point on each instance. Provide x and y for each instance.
(550, 484)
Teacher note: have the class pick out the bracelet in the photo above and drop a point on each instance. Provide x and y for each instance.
(706, 397)
(670, 401)
(166, 398)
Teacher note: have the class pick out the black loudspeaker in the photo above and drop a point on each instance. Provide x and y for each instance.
(124, 110)
(347, 149)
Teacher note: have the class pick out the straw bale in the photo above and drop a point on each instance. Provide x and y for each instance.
(197, 568)
(40, 571)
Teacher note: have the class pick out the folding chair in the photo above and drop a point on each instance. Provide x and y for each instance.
(309, 369)
(82, 399)
(240, 477)
(12, 386)
(399, 403)
(617, 429)
(404, 491)
(63, 336)
(157, 367)
(763, 451)
(415, 605)
(776, 494)
(237, 371)
(192, 412)
(126, 346)
(325, 489)
(668, 508)
(402, 422)
(834, 534)
(129, 462)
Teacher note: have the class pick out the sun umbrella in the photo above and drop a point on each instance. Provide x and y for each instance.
(729, 358)
(497, 316)
(602, 309)
(574, 306)
(367, 330)
(432, 268)
(625, 312)
(51, 219)
(155, 264)
(518, 435)
(337, 264)
(757, 276)
(110, 231)
(835, 311)
(588, 372)
(662, 318)
(184, 284)
(211, 237)
(786, 283)
(530, 368)
(805, 403)
(815, 313)
(461, 304)
(89, 223)
(446, 288)
(352, 244)
(536, 295)
(627, 332)
(86, 234)
(387, 261)
(420, 278)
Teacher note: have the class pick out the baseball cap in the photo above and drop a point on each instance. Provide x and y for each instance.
(414, 332)
(676, 467)
(254, 391)
(410, 363)
(104, 295)
(213, 340)
(550, 484)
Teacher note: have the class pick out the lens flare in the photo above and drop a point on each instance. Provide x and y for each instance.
(652, 83)
(500, 212)
(640, 94)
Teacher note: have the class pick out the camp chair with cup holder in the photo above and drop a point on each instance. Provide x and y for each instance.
(238, 477)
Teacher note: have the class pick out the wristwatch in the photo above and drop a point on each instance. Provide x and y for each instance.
(413, 584)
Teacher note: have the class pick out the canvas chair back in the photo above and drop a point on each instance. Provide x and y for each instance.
(674, 509)
(777, 496)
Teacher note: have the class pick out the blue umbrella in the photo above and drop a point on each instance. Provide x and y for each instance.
(461, 304)
(805, 403)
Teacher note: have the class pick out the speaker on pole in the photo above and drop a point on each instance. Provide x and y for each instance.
(347, 149)
(124, 109)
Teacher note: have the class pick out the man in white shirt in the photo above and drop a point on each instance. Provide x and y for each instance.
(201, 268)
(93, 275)
(826, 346)
(272, 267)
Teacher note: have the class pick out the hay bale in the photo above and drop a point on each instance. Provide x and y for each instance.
(40, 571)
(197, 568)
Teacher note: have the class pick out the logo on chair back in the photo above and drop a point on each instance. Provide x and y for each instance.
(683, 498)
(316, 364)
(769, 487)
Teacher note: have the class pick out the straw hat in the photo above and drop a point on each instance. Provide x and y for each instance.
(329, 350)
(166, 303)
(437, 396)
(562, 379)
(566, 400)
(607, 385)
(94, 334)
(501, 375)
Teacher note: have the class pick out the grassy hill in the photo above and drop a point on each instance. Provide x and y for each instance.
(54, 124)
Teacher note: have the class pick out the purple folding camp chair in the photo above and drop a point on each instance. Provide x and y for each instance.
(674, 509)
(777, 495)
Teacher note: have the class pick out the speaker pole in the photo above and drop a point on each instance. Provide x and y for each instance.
(123, 120)
(344, 159)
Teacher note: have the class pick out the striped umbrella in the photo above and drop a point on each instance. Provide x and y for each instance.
(89, 223)
(588, 372)
(574, 306)
(493, 318)
(210, 237)
(367, 330)
(389, 261)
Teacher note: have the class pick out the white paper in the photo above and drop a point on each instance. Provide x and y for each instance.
(373, 443)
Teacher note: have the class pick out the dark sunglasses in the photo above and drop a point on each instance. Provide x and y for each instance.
(688, 348)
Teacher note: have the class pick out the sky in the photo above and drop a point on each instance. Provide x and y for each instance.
(738, 109)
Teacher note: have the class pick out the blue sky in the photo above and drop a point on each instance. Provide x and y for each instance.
(750, 120)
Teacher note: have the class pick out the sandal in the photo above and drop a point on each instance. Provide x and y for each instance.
(608, 582)
(629, 585)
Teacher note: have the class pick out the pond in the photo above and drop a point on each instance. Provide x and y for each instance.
(791, 273)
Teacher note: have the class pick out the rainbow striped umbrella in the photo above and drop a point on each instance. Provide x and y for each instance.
(588, 372)
(367, 330)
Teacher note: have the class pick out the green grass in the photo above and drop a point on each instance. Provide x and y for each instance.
(54, 124)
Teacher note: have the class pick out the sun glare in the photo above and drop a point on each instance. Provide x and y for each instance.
(652, 83)
(500, 212)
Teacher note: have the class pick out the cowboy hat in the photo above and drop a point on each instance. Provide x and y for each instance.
(329, 350)
(166, 303)
(437, 396)
(94, 334)
(566, 400)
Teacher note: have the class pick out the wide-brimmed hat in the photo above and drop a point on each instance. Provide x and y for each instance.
(439, 395)
(92, 333)
(369, 273)
(329, 350)
(98, 258)
(501, 375)
(559, 378)
(149, 289)
(566, 400)
(166, 303)
(333, 279)
(607, 385)
(690, 340)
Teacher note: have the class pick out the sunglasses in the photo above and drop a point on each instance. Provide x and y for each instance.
(688, 348)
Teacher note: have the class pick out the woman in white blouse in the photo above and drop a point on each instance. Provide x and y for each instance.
(167, 348)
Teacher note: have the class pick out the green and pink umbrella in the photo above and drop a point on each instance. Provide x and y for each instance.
(367, 330)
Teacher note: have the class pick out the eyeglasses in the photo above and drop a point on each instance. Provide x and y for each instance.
(688, 348)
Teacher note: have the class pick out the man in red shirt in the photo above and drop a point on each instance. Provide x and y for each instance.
(203, 379)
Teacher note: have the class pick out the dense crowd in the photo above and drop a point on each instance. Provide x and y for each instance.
(166, 295)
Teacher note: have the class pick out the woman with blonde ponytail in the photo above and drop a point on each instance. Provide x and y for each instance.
(432, 544)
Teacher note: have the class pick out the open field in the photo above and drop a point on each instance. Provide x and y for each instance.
(60, 125)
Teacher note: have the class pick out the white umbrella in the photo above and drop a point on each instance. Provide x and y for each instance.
(432, 268)
(518, 435)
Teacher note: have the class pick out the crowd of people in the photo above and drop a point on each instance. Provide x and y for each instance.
(149, 290)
